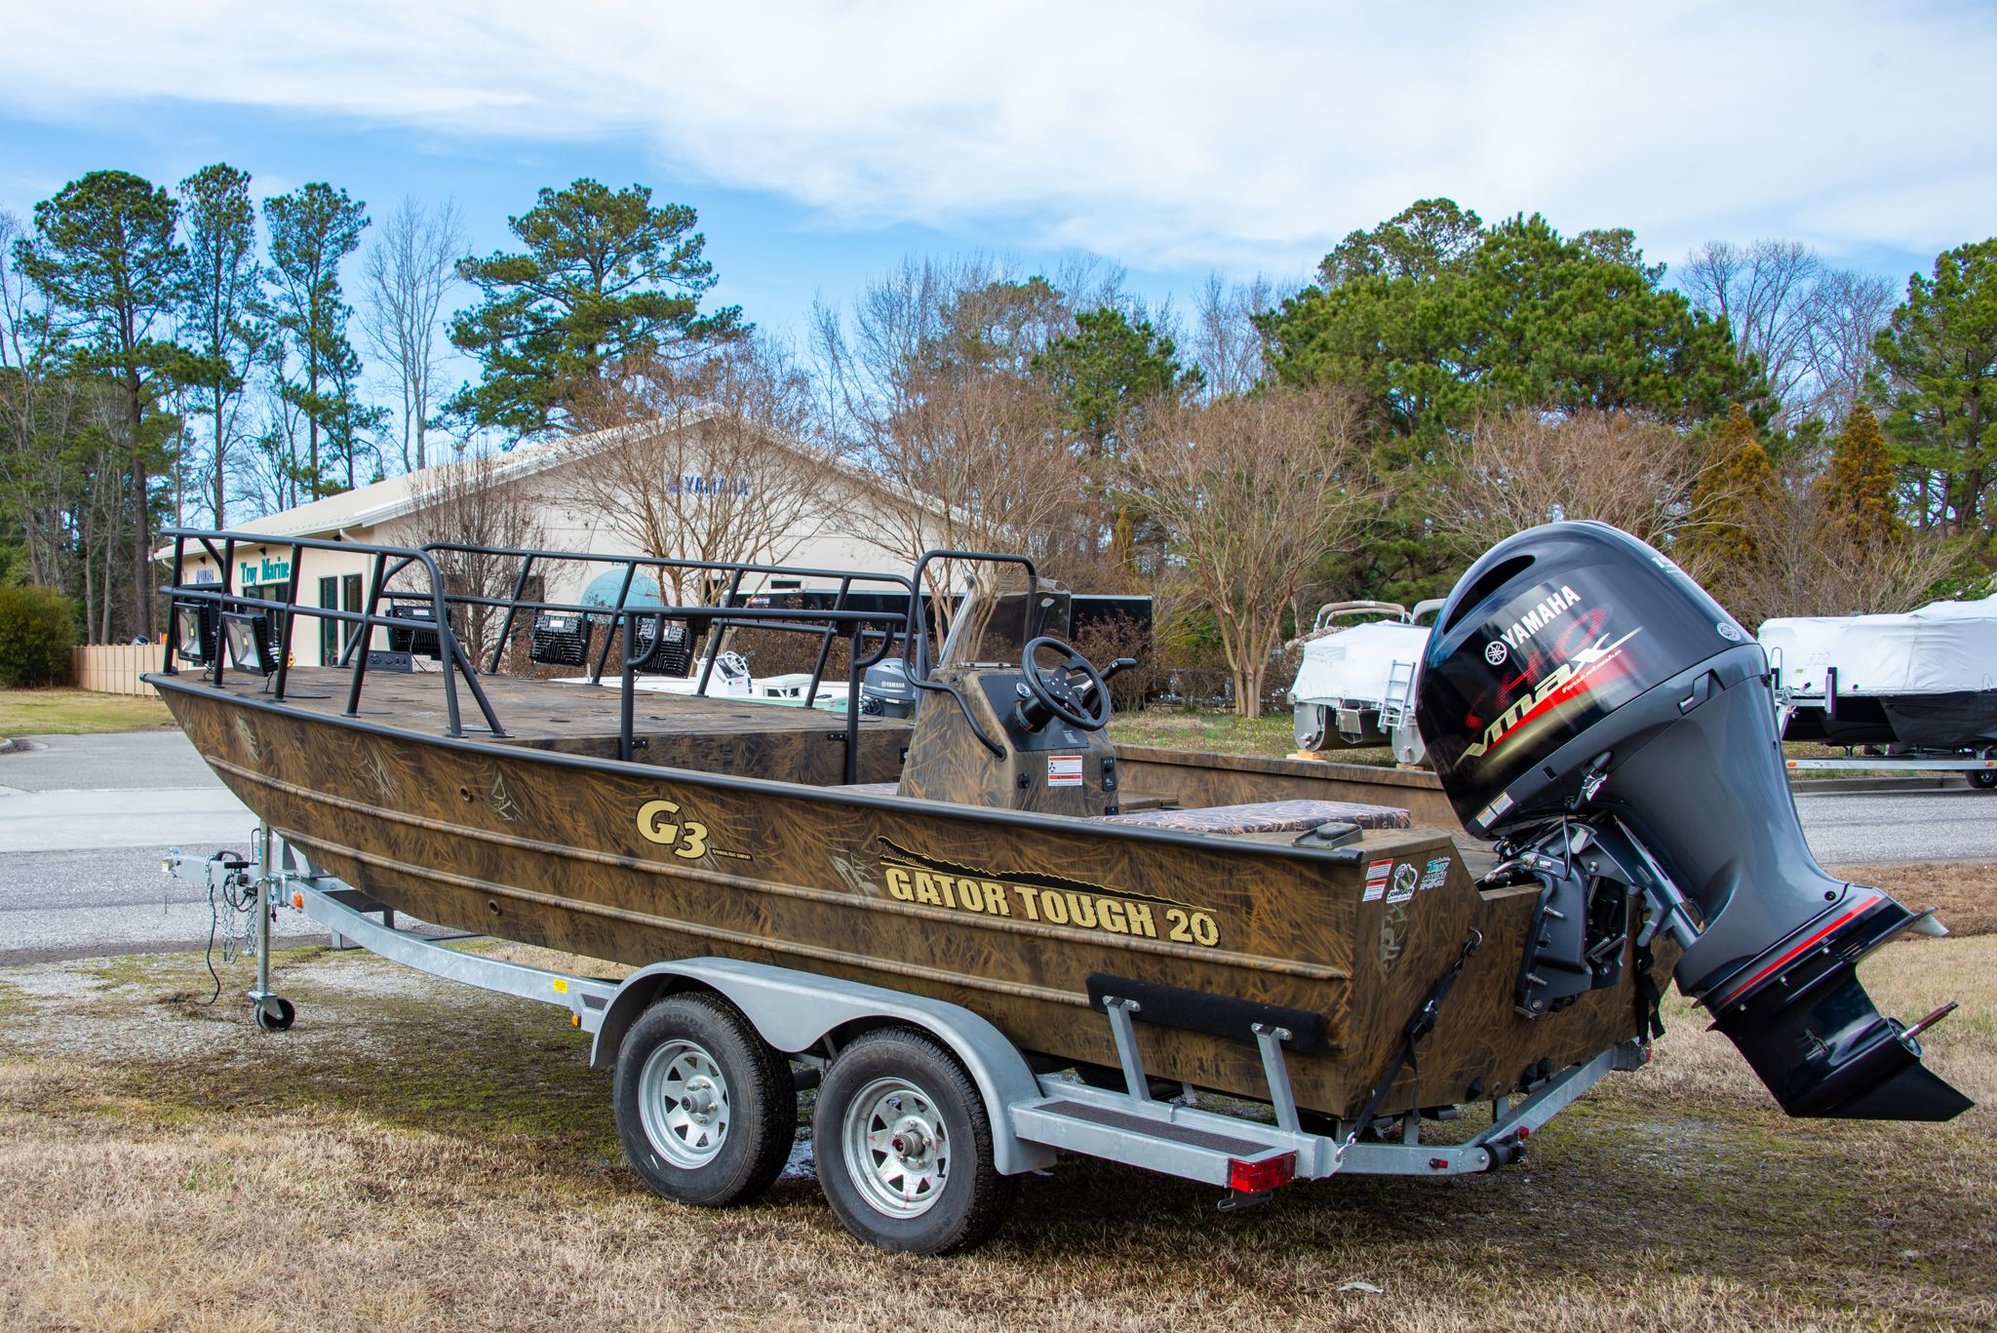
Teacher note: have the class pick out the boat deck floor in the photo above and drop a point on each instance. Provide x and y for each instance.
(532, 710)
(745, 736)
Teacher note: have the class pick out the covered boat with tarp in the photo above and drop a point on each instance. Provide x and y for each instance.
(1922, 681)
(1355, 682)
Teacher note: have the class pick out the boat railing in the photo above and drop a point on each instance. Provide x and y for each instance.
(722, 580)
(871, 631)
(220, 547)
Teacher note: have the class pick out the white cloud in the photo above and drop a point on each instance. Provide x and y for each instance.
(1156, 133)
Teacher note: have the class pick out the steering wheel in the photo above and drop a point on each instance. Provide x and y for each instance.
(1053, 693)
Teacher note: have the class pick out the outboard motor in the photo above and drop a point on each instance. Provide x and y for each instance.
(1592, 708)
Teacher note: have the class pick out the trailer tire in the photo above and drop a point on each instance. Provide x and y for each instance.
(1984, 777)
(706, 1109)
(904, 1147)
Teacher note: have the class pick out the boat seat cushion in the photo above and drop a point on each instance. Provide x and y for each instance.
(1266, 817)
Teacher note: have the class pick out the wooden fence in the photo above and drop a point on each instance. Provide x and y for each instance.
(113, 668)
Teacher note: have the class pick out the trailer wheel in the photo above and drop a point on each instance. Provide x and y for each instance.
(706, 1109)
(904, 1147)
(1985, 778)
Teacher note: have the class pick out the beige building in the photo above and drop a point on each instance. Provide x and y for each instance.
(698, 487)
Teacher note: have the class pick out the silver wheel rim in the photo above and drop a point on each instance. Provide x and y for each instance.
(683, 1103)
(897, 1150)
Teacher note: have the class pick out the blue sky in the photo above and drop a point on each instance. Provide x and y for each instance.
(822, 142)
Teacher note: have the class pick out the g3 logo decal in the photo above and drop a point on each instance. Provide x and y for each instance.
(687, 838)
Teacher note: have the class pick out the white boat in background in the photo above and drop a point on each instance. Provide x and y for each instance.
(1355, 685)
(1924, 681)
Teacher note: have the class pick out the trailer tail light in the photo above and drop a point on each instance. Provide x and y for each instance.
(1261, 1175)
(298, 901)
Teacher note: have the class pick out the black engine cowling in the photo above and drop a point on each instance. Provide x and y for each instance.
(1576, 673)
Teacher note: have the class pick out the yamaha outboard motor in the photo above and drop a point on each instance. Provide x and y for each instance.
(1592, 708)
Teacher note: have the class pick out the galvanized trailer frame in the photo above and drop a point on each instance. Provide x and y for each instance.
(1033, 1115)
(1982, 772)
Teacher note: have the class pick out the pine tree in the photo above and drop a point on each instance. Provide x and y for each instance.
(1734, 502)
(105, 258)
(312, 230)
(605, 277)
(219, 319)
(1856, 493)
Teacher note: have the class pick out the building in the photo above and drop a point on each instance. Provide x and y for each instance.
(700, 486)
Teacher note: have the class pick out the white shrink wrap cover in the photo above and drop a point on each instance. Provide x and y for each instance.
(1358, 664)
(1941, 648)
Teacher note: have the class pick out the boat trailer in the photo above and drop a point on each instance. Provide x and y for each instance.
(1247, 1149)
(1980, 771)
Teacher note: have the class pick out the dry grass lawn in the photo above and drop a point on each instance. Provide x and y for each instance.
(415, 1154)
(1963, 893)
(1215, 732)
(66, 712)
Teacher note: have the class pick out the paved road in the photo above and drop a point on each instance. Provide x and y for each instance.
(84, 824)
(1868, 828)
(85, 820)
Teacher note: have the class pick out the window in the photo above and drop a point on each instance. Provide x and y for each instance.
(350, 592)
(329, 637)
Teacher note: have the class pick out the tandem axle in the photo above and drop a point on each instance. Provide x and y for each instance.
(926, 1113)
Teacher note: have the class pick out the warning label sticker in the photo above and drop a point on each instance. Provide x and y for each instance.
(1064, 770)
(1376, 881)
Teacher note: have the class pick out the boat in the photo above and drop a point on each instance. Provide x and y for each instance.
(1921, 682)
(955, 852)
(1355, 681)
(1346, 946)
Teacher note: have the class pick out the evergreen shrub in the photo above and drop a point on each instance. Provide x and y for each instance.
(37, 630)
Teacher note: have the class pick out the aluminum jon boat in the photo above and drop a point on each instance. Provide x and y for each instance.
(998, 853)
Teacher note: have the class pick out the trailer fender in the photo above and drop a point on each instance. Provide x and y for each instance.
(793, 1011)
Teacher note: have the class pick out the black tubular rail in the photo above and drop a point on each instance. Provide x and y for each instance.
(224, 599)
(723, 580)
(879, 628)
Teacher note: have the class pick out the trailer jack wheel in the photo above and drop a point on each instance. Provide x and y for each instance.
(904, 1147)
(274, 1013)
(706, 1109)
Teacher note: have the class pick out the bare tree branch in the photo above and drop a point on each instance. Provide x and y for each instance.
(709, 460)
(1252, 492)
(1765, 290)
(1847, 311)
(1526, 468)
(473, 501)
(407, 275)
(1226, 345)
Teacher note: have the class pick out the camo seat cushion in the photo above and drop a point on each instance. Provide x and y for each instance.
(1266, 817)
